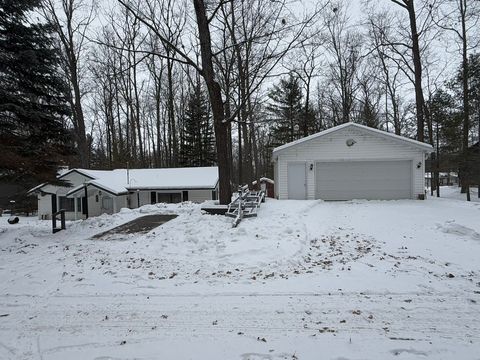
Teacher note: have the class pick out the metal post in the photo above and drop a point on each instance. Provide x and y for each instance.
(54, 222)
(86, 202)
(62, 219)
(75, 204)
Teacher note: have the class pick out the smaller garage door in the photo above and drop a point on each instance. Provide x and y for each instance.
(296, 181)
(370, 180)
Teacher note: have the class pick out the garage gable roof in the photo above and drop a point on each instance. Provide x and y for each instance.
(423, 146)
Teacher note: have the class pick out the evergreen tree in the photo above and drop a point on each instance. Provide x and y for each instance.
(33, 104)
(468, 161)
(474, 81)
(198, 142)
(368, 115)
(445, 112)
(473, 93)
(287, 112)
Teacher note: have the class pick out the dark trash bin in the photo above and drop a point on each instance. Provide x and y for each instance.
(13, 220)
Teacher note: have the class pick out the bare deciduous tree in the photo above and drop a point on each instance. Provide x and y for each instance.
(409, 6)
(71, 19)
(344, 45)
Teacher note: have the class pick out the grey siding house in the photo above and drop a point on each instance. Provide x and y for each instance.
(94, 192)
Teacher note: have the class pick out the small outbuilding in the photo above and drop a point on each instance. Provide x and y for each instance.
(351, 161)
(86, 192)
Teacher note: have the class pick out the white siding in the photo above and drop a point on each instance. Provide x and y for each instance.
(120, 202)
(199, 196)
(275, 176)
(144, 196)
(94, 207)
(74, 179)
(332, 147)
(44, 206)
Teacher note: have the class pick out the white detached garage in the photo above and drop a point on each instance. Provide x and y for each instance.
(350, 161)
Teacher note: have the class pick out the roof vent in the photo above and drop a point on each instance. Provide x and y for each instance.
(350, 142)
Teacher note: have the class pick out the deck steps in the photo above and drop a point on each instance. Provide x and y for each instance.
(245, 205)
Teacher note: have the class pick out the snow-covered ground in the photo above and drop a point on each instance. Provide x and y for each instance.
(304, 280)
(453, 192)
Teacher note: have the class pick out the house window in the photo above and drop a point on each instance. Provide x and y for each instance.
(66, 203)
(185, 195)
(96, 198)
(169, 197)
(214, 195)
(79, 204)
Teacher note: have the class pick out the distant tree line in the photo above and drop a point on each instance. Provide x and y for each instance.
(163, 83)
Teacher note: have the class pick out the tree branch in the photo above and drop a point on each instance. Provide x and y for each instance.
(147, 23)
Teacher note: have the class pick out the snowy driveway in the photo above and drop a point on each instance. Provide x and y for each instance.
(305, 280)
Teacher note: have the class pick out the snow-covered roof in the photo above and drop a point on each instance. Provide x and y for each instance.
(36, 188)
(265, 179)
(418, 144)
(120, 181)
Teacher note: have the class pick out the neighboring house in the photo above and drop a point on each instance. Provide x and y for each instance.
(445, 178)
(350, 161)
(94, 192)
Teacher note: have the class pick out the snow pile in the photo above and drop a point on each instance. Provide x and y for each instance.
(450, 227)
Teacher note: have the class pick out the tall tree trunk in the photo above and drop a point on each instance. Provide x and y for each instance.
(121, 144)
(172, 137)
(417, 63)
(68, 30)
(78, 113)
(137, 113)
(466, 108)
(253, 139)
(245, 162)
(158, 122)
(438, 159)
(240, 154)
(228, 114)
(307, 107)
(215, 95)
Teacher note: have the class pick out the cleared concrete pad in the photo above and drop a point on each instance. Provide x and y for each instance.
(140, 225)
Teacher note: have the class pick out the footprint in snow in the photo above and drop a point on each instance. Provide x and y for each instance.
(450, 227)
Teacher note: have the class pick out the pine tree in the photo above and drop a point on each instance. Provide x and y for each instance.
(198, 142)
(208, 139)
(287, 112)
(368, 115)
(474, 81)
(469, 160)
(445, 112)
(33, 104)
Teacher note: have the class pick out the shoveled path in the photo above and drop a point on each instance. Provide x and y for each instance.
(140, 225)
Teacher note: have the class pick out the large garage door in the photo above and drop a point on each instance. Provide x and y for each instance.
(364, 180)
